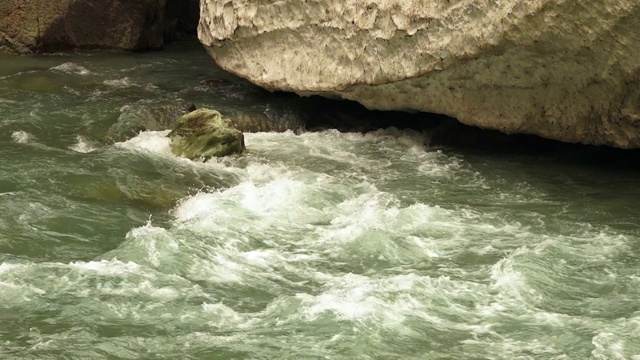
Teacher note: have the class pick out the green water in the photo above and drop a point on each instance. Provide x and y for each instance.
(322, 245)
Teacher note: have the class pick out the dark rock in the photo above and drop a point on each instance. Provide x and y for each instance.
(48, 26)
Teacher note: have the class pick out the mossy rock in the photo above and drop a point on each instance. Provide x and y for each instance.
(205, 133)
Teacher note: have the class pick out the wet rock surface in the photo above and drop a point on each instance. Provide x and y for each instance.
(203, 134)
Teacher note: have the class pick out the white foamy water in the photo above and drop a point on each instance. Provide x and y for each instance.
(291, 227)
(119, 83)
(107, 267)
(71, 68)
(343, 246)
(83, 145)
(21, 137)
(152, 141)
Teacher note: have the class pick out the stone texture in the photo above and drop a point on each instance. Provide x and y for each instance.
(44, 25)
(561, 69)
(203, 134)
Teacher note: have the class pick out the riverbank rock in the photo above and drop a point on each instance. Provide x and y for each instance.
(46, 26)
(561, 69)
(205, 134)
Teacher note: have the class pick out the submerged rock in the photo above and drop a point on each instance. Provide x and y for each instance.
(252, 108)
(565, 70)
(204, 134)
(146, 117)
(154, 196)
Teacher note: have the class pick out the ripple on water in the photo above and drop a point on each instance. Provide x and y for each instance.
(310, 254)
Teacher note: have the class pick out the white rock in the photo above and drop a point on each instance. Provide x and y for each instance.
(563, 69)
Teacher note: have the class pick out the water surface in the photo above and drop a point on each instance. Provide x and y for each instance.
(322, 245)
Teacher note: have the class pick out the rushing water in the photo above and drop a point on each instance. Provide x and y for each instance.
(316, 245)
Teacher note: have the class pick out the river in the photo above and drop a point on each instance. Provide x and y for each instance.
(313, 245)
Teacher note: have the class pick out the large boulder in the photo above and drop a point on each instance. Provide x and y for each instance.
(203, 134)
(44, 26)
(562, 69)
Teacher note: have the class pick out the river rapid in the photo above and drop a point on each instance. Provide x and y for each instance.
(313, 245)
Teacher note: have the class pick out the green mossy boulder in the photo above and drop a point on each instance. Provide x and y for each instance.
(205, 134)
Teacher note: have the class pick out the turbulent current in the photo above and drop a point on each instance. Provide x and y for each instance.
(316, 245)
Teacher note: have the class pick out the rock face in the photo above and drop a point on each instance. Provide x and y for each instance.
(44, 26)
(204, 134)
(562, 69)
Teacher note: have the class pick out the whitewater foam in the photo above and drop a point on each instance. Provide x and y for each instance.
(119, 83)
(607, 347)
(151, 141)
(83, 145)
(316, 240)
(8, 267)
(71, 68)
(21, 137)
(221, 315)
(105, 267)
